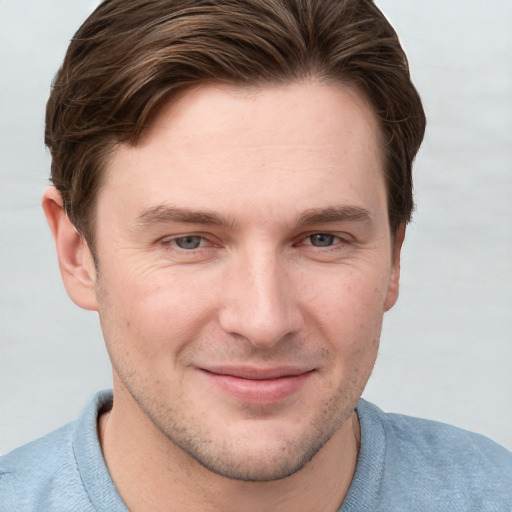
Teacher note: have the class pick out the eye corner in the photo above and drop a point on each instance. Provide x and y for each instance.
(323, 239)
(188, 242)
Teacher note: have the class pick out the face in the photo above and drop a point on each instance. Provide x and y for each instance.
(245, 263)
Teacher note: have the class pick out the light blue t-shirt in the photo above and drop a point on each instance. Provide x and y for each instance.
(405, 464)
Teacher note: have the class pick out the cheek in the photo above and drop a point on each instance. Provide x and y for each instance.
(149, 315)
(348, 316)
(349, 298)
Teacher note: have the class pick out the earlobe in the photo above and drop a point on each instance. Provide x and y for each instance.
(394, 279)
(75, 259)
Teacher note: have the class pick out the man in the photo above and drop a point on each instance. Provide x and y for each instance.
(232, 181)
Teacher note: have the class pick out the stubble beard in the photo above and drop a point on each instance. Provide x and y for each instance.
(229, 459)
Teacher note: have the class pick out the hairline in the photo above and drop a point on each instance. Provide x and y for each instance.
(87, 230)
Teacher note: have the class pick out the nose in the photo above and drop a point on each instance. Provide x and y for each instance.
(259, 302)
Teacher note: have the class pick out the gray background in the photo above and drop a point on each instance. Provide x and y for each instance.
(446, 347)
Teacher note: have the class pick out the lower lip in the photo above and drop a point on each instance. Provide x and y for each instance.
(264, 391)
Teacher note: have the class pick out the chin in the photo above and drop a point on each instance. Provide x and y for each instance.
(258, 467)
(259, 455)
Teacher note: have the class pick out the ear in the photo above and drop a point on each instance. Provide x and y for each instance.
(75, 259)
(394, 279)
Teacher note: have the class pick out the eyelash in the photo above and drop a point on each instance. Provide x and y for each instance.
(204, 241)
(335, 239)
(166, 242)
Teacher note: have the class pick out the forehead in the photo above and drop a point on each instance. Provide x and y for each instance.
(293, 142)
(270, 113)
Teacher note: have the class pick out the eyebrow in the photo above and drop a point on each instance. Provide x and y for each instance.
(162, 214)
(333, 214)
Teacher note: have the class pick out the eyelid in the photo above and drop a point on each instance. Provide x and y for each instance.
(336, 240)
(341, 236)
(168, 240)
(209, 241)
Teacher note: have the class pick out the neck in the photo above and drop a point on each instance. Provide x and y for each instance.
(153, 474)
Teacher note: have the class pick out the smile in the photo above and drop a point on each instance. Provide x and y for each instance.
(258, 386)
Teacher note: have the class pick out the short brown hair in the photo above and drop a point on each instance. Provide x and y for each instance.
(130, 55)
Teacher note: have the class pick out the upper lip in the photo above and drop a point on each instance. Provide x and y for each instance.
(254, 373)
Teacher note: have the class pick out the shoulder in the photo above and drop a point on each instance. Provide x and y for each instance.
(445, 446)
(43, 456)
(63, 470)
(31, 475)
(51, 448)
(442, 462)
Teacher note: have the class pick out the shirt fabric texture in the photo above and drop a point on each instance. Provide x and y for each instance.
(405, 464)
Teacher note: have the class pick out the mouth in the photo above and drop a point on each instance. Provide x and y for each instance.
(258, 385)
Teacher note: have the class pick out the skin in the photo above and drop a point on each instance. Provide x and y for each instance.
(245, 262)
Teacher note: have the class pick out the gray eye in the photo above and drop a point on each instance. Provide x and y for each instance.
(188, 242)
(322, 240)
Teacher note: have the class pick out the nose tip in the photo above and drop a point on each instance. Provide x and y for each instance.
(260, 307)
(262, 330)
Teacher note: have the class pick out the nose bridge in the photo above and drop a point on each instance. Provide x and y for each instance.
(258, 301)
